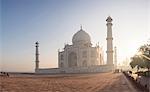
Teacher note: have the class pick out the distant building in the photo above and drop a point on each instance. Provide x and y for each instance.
(81, 56)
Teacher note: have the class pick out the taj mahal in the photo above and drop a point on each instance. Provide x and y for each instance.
(81, 56)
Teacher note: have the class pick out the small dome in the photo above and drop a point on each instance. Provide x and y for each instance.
(81, 37)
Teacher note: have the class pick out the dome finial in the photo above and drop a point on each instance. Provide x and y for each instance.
(80, 27)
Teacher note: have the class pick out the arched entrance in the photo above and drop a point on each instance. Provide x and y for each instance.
(72, 59)
(84, 63)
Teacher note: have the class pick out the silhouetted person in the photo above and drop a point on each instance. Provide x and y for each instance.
(7, 75)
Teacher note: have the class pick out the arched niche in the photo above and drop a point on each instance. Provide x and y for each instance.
(72, 59)
(84, 63)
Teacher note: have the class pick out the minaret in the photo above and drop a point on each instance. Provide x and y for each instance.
(36, 56)
(109, 41)
(115, 57)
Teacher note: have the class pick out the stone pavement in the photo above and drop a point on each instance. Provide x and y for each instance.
(101, 82)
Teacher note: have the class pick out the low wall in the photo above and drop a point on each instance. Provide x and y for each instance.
(144, 81)
(143, 84)
(91, 69)
(47, 70)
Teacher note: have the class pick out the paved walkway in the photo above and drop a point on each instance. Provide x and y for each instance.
(102, 82)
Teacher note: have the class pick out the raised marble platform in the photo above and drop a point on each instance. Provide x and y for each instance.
(91, 69)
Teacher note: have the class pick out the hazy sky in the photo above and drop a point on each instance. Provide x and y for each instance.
(54, 22)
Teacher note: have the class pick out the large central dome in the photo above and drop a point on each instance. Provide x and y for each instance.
(81, 37)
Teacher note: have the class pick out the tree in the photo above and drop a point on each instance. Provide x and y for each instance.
(142, 60)
(145, 50)
(137, 61)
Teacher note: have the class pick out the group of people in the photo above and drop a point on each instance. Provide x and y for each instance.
(4, 74)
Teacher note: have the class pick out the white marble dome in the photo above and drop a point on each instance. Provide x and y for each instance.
(81, 37)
